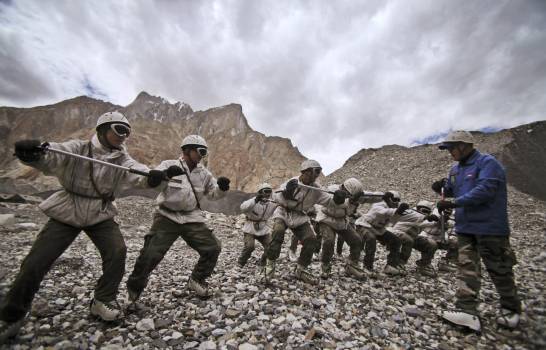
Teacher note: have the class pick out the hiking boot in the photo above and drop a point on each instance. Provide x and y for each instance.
(446, 266)
(426, 270)
(462, 318)
(352, 270)
(391, 270)
(201, 288)
(105, 311)
(9, 330)
(304, 275)
(508, 318)
(402, 269)
(326, 270)
(132, 295)
(269, 270)
(292, 255)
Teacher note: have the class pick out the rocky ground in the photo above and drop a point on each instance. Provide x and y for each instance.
(341, 313)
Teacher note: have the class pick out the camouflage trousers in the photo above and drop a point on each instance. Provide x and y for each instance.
(450, 246)
(329, 239)
(426, 246)
(339, 245)
(497, 255)
(249, 247)
(304, 233)
(294, 241)
(54, 238)
(163, 233)
(388, 239)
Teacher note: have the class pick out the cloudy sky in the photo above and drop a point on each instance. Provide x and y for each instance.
(333, 76)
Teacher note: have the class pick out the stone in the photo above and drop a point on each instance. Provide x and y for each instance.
(146, 324)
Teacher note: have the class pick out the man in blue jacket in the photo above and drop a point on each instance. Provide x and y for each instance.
(477, 184)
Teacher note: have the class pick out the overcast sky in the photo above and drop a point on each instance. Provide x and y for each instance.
(333, 76)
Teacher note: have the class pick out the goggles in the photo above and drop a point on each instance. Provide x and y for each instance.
(395, 200)
(121, 130)
(315, 171)
(202, 151)
(266, 191)
(425, 211)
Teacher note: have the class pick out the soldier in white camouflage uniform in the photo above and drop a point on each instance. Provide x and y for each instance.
(85, 203)
(335, 219)
(294, 202)
(179, 214)
(372, 227)
(407, 229)
(257, 210)
(444, 240)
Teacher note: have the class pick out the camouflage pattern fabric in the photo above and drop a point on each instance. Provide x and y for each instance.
(426, 246)
(329, 238)
(249, 246)
(304, 233)
(497, 255)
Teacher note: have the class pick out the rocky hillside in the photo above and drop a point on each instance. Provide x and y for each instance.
(244, 314)
(411, 170)
(342, 313)
(244, 155)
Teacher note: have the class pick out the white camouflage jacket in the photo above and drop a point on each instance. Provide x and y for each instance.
(177, 201)
(435, 231)
(377, 218)
(338, 217)
(412, 223)
(257, 215)
(294, 212)
(78, 203)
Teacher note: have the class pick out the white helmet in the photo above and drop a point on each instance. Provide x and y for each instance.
(309, 163)
(425, 204)
(353, 186)
(395, 194)
(112, 117)
(194, 140)
(457, 136)
(264, 185)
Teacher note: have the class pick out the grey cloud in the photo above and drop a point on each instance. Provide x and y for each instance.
(332, 76)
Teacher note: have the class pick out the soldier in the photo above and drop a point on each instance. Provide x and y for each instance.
(407, 229)
(86, 203)
(334, 219)
(294, 201)
(372, 227)
(258, 210)
(445, 240)
(294, 242)
(477, 184)
(179, 214)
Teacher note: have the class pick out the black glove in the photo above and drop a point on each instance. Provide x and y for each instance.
(438, 185)
(155, 177)
(223, 183)
(402, 207)
(443, 205)
(291, 186)
(28, 150)
(432, 217)
(258, 198)
(339, 196)
(174, 170)
(356, 197)
(387, 196)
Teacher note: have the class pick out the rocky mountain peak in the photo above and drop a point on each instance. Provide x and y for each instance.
(247, 157)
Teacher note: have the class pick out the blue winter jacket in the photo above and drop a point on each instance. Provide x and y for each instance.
(479, 187)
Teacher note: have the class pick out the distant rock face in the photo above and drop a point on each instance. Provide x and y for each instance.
(522, 151)
(245, 156)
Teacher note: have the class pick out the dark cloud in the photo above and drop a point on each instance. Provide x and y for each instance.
(332, 76)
